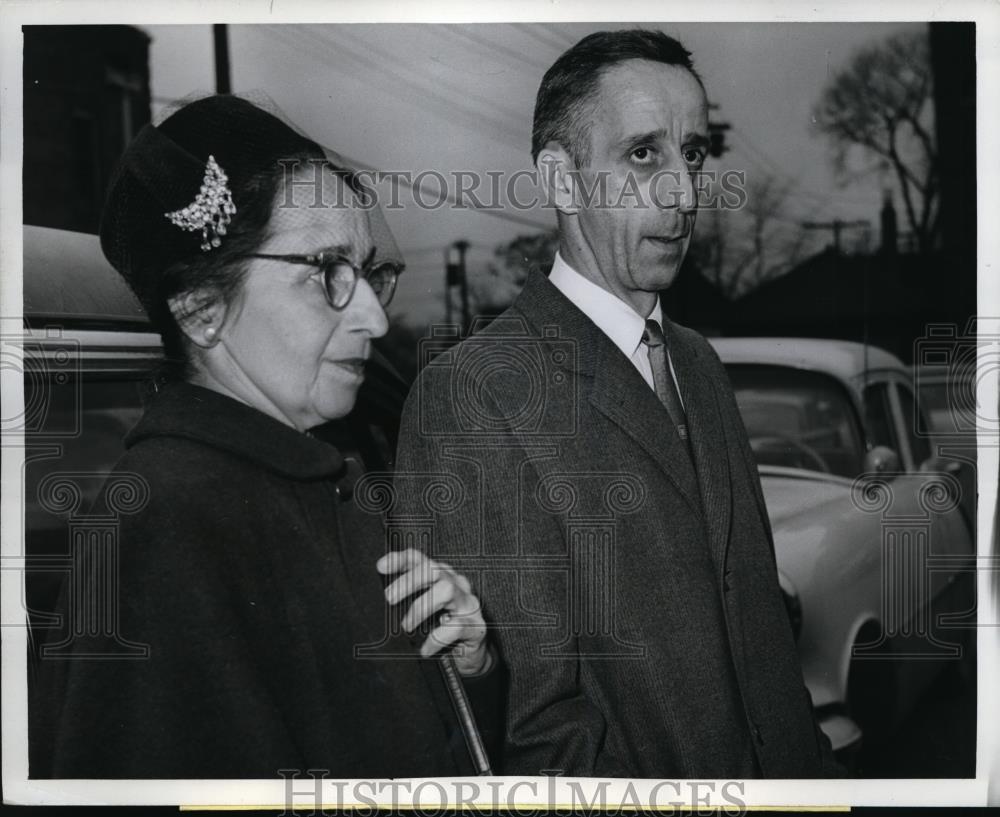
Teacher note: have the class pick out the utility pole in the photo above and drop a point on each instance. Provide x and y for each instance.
(717, 135)
(837, 226)
(223, 84)
(451, 275)
(455, 275)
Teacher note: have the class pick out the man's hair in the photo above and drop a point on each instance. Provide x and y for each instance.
(561, 107)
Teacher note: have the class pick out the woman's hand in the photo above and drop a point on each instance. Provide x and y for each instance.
(461, 624)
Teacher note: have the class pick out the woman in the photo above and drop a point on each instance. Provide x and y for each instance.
(259, 593)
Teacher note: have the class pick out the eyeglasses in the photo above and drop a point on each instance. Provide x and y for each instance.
(340, 276)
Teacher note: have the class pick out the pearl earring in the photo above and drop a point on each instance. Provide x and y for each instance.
(210, 333)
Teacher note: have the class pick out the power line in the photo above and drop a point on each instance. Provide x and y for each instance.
(393, 83)
(456, 203)
(797, 188)
(450, 198)
(837, 226)
(518, 57)
(790, 192)
(488, 105)
(446, 108)
(535, 31)
(561, 35)
(503, 215)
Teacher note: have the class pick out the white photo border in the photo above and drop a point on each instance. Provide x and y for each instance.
(18, 789)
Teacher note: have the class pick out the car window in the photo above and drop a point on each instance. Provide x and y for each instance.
(798, 419)
(948, 404)
(878, 417)
(935, 405)
(914, 424)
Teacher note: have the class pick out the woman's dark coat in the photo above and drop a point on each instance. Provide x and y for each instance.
(254, 587)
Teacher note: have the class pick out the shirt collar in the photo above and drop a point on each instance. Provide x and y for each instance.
(615, 318)
(185, 410)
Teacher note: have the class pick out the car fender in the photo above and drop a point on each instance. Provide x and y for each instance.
(830, 552)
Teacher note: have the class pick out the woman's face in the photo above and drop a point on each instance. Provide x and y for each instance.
(282, 348)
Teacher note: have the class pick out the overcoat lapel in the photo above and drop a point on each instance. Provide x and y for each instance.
(708, 439)
(621, 395)
(610, 382)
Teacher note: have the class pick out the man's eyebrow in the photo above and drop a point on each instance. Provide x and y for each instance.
(642, 138)
(697, 139)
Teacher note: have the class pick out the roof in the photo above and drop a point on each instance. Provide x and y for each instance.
(67, 279)
(843, 359)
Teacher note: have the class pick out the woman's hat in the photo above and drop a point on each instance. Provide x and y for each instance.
(176, 191)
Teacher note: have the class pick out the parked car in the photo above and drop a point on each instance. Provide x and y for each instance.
(949, 401)
(947, 395)
(874, 550)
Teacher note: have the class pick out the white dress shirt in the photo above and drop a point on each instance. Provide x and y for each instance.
(615, 318)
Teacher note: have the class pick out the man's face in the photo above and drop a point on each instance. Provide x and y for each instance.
(648, 135)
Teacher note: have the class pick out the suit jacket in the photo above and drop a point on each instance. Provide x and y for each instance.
(635, 597)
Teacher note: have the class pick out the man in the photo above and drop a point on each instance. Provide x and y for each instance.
(601, 491)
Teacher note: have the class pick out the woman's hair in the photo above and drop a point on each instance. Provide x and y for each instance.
(222, 144)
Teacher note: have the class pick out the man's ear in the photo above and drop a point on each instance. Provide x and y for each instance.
(559, 177)
(199, 315)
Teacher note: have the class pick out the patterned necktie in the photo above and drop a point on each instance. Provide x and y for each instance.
(663, 381)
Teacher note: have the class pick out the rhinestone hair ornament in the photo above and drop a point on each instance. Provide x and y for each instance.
(211, 210)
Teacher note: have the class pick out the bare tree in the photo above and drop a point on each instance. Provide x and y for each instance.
(738, 250)
(881, 102)
(709, 251)
(766, 196)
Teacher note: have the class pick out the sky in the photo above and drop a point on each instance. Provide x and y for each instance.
(446, 98)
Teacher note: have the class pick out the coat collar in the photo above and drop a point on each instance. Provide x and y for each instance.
(545, 306)
(195, 413)
(613, 386)
(613, 316)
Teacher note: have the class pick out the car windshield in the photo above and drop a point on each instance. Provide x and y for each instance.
(798, 419)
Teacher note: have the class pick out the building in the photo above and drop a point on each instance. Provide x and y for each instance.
(86, 95)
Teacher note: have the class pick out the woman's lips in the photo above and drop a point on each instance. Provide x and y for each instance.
(353, 365)
(669, 246)
(668, 239)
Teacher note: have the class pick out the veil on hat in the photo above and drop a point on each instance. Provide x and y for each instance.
(194, 185)
(170, 196)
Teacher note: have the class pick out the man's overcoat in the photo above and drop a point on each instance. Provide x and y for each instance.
(635, 597)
